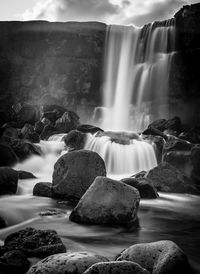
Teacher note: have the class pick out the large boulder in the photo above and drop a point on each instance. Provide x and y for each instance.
(162, 257)
(25, 175)
(34, 243)
(74, 140)
(122, 267)
(167, 178)
(107, 202)
(43, 189)
(73, 263)
(74, 172)
(68, 122)
(8, 156)
(144, 186)
(8, 180)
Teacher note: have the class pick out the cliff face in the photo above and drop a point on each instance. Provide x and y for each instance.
(39, 60)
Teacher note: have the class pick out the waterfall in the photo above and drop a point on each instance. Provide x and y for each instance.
(137, 65)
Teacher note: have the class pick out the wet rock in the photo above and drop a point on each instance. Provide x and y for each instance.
(107, 202)
(25, 175)
(144, 186)
(122, 267)
(88, 128)
(14, 262)
(73, 263)
(163, 257)
(34, 243)
(52, 116)
(173, 124)
(74, 140)
(27, 129)
(8, 181)
(158, 142)
(159, 124)
(174, 143)
(67, 122)
(8, 156)
(43, 189)
(154, 132)
(74, 172)
(167, 178)
(39, 126)
(122, 138)
(47, 131)
(195, 160)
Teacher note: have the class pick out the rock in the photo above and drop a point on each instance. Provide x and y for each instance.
(158, 142)
(35, 243)
(74, 172)
(163, 257)
(123, 138)
(88, 128)
(167, 178)
(43, 189)
(27, 129)
(59, 110)
(14, 262)
(195, 160)
(107, 202)
(122, 267)
(8, 181)
(2, 223)
(33, 137)
(139, 175)
(10, 132)
(73, 263)
(47, 131)
(144, 186)
(27, 114)
(158, 124)
(52, 116)
(25, 175)
(8, 156)
(173, 124)
(39, 126)
(67, 122)
(192, 135)
(174, 143)
(154, 132)
(74, 140)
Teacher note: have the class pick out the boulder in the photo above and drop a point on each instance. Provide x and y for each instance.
(14, 262)
(10, 132)
(158, 124)
(122, 267)
(39, 126)
(107, 202)
(43, 189)
(73, 263)
(167, 178)
(154, 132)
(158, 142)
(74, 140)
(47, 131)
(173, 124)
(88, 128)
(162, 257)
(27, 129)
(8, 181)
(25, 175)
(174, 143)
(34, 243)
(67, 122)
(8, 156)
(74, 172)
(195, 160)
(52, 116)
(144, 186)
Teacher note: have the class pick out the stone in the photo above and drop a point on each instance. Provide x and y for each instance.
(39, 126)
(174, 143)
(10, 132)
(43, 189)
(154, 132)
(14, 262)
(74, 140)
(74, 172)
(158, 143)
(195, 160)
(122, 267)
(34, 243)
(88, 128)
(192, 135)
(167, 178)
(107, 202)
(68, 122)
(2, 223)
(73, 263)
(8, 181)
(25, 175)
(48, 131)
(162, 257)
(8, 156)
(27, 128)
(144, 186)
(27, 114)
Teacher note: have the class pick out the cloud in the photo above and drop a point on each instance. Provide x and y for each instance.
(137, 12)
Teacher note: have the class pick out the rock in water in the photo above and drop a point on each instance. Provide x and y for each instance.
(122, 267)
(162, 257)
(73, 263)
(167, 178)
(34, 243)
(74, 172)
(43, 189)
(8, 156)
(74, 140)
(107, 202)
(8, 181)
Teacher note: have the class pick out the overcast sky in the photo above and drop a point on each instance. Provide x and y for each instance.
(137, 12)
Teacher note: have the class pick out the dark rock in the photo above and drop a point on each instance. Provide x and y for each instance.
(47, 131)
(122, 267)
(35, 243)
(25, 175)
(14, 262)
(73, 263)
(43, 189)
(154, 132)
(8, 181)
(192, 135)
(139, 175)
(107, 202)
(74, 140)
(158, 142)
(174, 143)
(167, 178)
(10, 132)
(2, 223)
(52, 116)
(67, 122)
(8, 156)
(39, 126)
(173, 124)
(159, 124)
(59, 110)
(144, 186)
(27, 129)
(27, 114)
(74, 172)
(163, 257)
(88, 128)
(122, 138)
(33, 137)
(195, 160)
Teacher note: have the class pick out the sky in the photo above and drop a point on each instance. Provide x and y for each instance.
(137, 12)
